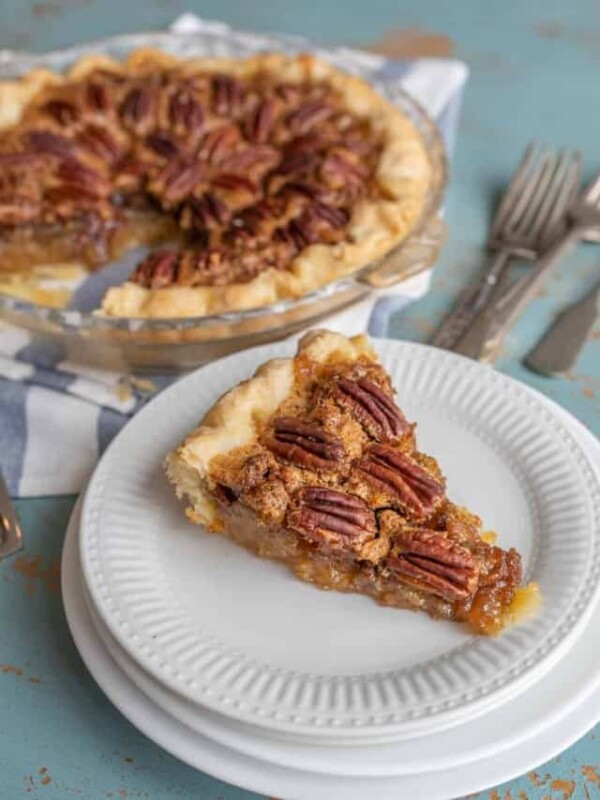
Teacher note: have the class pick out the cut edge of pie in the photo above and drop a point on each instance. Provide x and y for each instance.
(312, 463)
(376, 222)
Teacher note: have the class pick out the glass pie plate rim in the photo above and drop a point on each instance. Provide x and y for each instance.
(222, 40)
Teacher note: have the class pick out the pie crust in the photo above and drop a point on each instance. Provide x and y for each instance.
(312, 463)
(389, 198)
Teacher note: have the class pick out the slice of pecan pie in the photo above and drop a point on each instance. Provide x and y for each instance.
(269, 176)
(311, 462)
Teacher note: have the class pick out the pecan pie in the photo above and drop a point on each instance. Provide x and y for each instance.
(267, 176)
(311, 462)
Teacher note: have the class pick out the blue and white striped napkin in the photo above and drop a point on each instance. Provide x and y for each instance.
(56, 417)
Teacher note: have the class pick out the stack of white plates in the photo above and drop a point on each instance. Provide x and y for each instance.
(231, 664)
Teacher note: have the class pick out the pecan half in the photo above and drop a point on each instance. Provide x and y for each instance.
(136, 108)
(62, 111)
(260, 155)
(304, 189)
(307, 143)
(50, 143)
(372, 407)
(162, 144)
(402, 479)
(302, 232)
(500, 575)
(177, 180)
(329, 517)
(332, 215)
(20, 161)
(185, 112)
(157, 270)
(100, 143)
(21, 187)
(261, 121)
(318, 222)
(307, 115)
(79, 176)
(343, 170)
(227, 95)
(433, 563)
(250, 220)
(285, 237)
(233, 183)
(219, 144)
(305, 444)
(69, 200)
(96, 97)
(297, 163)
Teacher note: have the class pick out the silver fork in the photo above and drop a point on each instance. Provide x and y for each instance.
(486, 334)
(534, 203)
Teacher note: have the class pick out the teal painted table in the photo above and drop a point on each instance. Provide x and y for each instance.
(534, 71)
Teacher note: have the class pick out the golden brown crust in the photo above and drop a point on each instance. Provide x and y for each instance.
(377, 223)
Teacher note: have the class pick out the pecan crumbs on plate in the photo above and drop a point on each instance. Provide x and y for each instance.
(269, 175)
(311, 462)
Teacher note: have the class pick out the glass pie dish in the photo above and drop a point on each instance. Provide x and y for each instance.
(162, 345)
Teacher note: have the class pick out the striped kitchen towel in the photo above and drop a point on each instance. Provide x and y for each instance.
(56, 417)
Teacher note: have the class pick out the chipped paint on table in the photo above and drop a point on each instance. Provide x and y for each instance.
(534, 71)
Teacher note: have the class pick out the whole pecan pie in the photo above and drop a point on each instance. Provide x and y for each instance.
(311, 462)
(268, 176)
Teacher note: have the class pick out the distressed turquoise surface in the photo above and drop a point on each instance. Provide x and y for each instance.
(535, 68)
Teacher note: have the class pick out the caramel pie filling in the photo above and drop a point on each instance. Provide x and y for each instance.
(335, 487)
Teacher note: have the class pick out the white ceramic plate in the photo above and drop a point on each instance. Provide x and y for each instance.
(517, 721)
(213, 624)
(229, 765)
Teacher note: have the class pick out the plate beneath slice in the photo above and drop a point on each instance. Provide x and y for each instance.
(574, 681)
(574, 717)
(245, 638)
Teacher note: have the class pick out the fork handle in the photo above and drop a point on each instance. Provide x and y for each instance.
(471, 302)
(485, 336)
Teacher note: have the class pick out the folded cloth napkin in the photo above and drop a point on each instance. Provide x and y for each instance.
(56, 417)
